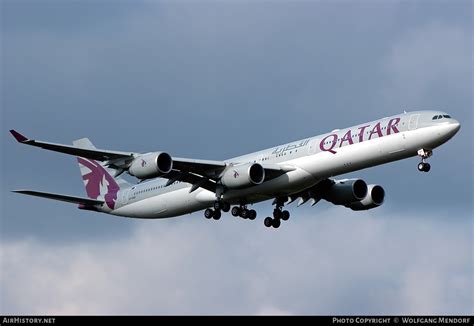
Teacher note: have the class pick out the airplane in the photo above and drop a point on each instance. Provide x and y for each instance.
(302, 170)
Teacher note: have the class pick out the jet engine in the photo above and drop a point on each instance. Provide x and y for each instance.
(346, 192)
(151, 165)
(375, 197)
(243, 175)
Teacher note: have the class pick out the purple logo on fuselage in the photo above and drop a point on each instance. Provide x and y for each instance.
(98, 179)
(333, 139)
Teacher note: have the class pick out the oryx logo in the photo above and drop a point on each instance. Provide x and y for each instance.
(143, 163)
(236, 174)
(99, 182)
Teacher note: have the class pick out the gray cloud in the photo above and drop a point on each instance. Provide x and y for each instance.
(337, 262)
(428, 60)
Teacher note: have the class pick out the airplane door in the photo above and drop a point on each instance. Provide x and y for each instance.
(124, 196)
(413, 123)
(313, 145)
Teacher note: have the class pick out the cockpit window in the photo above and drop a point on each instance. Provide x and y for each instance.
(436, 117)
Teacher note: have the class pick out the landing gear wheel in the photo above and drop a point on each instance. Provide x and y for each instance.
(427, 167)
(285, 215)
(208, 213)
(277, 214)
(225, 207)
(276, 223)
(424, 154)
(421, 167)
(244, 213)
(218, 205)
(268, 221)
(252, 214)
(235, 211)
(424, 167)
(217, 215)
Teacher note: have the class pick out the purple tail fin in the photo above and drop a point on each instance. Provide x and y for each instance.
(98, 179)
(98, 182)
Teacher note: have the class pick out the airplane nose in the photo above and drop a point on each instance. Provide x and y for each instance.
(456, 126)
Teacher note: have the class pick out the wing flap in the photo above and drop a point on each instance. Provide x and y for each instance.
(207, 168)
(60, 197)
(273, 171)
(196, 180)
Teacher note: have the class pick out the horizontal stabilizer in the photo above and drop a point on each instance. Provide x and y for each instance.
(69, 199)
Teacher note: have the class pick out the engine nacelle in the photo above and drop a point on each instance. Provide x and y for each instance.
(244, 175)
(151, 165)
(346, 192)
(375, 197)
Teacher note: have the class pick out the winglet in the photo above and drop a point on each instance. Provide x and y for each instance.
(19, 137)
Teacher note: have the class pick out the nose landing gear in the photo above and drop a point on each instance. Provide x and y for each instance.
(423, 166)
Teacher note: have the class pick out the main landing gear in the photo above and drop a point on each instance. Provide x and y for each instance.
(222, 206)
(243, 212)
(210, 213)
(424, 154)
(215, 213)
(278, 215)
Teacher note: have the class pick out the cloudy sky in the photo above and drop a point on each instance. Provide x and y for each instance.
(213, 80)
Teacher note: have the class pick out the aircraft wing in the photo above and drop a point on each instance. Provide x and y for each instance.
(200, 173)
(69, 199)
(203, 167)
(94, 154)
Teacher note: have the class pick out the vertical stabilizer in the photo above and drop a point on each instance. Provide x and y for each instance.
(99, 180)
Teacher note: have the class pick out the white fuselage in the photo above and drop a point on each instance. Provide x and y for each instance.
(312, 160)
